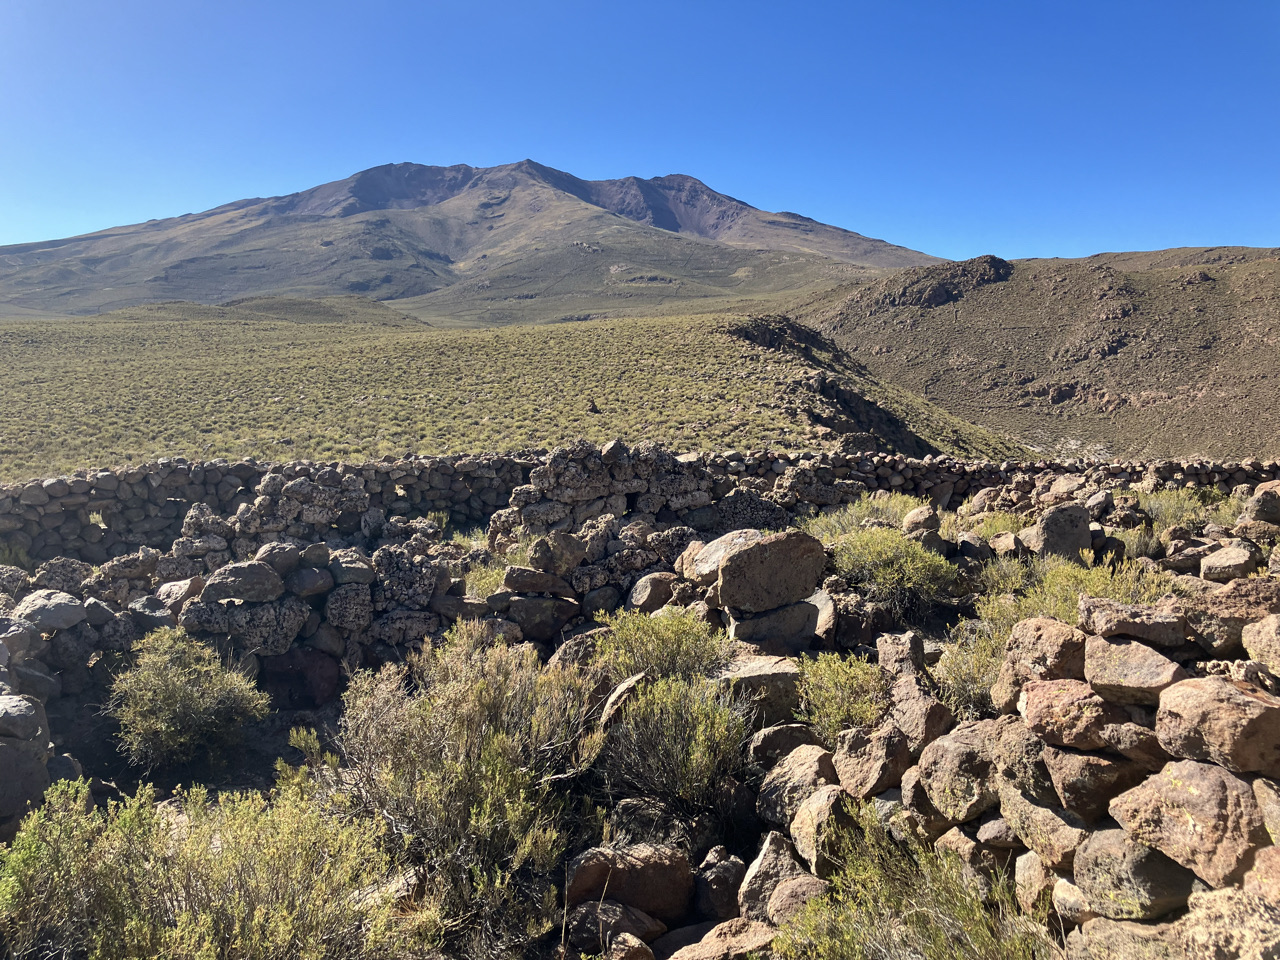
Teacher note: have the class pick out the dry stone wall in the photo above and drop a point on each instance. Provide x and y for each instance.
(97, 515)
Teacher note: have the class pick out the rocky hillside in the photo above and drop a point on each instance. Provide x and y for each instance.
(770, 761)
(494, 238)
(1170, 353)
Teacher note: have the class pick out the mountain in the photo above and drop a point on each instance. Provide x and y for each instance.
(477, 244)
(1168, 353)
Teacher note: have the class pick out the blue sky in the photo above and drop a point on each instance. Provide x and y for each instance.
(959, 128)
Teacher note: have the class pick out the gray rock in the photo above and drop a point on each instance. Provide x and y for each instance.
(1126, 880)
(1062, 531)
(50, 610)
(251, 581)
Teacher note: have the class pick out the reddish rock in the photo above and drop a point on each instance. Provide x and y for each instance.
(818, 824)
(792, 781)
(1087, 782)
(791, 896)
(775, 862)
(1109, 618)
(956, 772)
(1123, 671)
(1236, 725)
(657, 880)
(1198, 815)
(870, 763)
(740, 939)
(1037, 649)
(771, 572)
(1068, 713)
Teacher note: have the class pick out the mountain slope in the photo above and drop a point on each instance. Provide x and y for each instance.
(1161, 353)
(405, 231)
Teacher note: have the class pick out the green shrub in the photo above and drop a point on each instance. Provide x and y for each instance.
(679, 742)
(893, 570)
(1018, 590)
(471, 768)
(486, 579)
(892, 902)
(891, 509)
(179, 701)
(680, 645)
(241, 879)
(837, 693)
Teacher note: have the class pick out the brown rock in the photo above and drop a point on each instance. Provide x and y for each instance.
(1067, 713)
(920, 715)
(1037, 649)
(817, 825)
(739, 939)
(871, 763)
(792, 781)
(625, 946)
(1227, 564)
(1121, 670)
(956, 772)
(1070, 903)
(657, 880)
(1033, 881)
(528, 580)
(1236, 725)
(771, 682)
(775, 862)
(1049, 831)
(775, 570)
(716, 886)
(791, 896)
(1263, 878)
(1267, 794)
(1198, 815)
(1262, 640)
(705, 568)
(1103, 939)
(595, 925)
(651, 592)
(923, 818)
(1137, 743)
(1230, 925)
(980, 861)
(1125, 880)
(1087, 782)
(1218, 618)
(1109, 618)
(771, 744)
(1062, 531)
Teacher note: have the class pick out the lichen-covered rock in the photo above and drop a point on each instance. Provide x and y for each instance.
(1068, 713)
(250, 582)
(1233, 724)
(1123, 671)
(792, 781)
(349, 607)
(1087, 782)
(1051, 832)
(1198, 815)
(1108, 618)
(1037, 649)
(771, 683)
(1126, 880)
(791, 896)
(1262, 640)
(815, 829)
(956, 772)
(1061, 531)
(769, 572)
(50, 610)
(405, 580)
(1229, 925)
(269, 628)
(870, 762)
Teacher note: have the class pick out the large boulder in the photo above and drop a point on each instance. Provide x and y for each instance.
(595, 925)
(1037, 649)
(817, 826)
(1062, 531)
(792, 781)
(869, 762)
(1262, 640)
(1121, 670)
(1051, 832)
(1229, 925)
(1231, 723)
(1198, 815)
(770, 572)
(655, 879)
(788, 630)
(771, 683)
(1087, 782)
(1126, 880)
(740, 939)
(791, 896)
(1229, 563)
(542, 618)
(251, 581)
(1109, 618)
(1067, 713)
(957, 774)
(775, 862)
(50, 610)
(268, 629)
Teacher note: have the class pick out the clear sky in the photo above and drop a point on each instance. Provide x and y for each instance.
(1026, 128)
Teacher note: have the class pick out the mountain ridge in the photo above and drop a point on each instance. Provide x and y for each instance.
(406, 230)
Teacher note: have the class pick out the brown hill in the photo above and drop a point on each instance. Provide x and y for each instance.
(534, 243)
(1163, 353)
